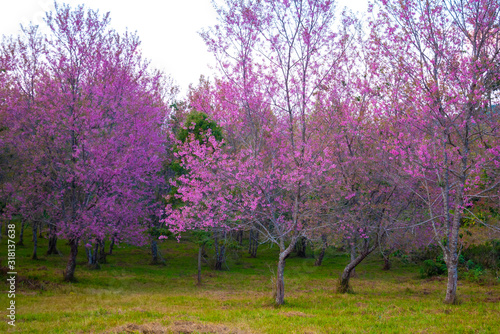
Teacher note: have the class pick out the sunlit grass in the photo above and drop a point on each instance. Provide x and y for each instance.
(128, 291)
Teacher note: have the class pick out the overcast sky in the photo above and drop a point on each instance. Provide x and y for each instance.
(168, 29)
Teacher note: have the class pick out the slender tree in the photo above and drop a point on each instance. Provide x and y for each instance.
(443, 56)
(272, 167)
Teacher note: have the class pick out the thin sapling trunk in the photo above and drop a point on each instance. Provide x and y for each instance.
(69, 273)
(343, 284)
(21, 235)
(321, 255)
(35, 242)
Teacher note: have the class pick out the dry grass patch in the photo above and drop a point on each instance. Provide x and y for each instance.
(296, 314)
(176, 327)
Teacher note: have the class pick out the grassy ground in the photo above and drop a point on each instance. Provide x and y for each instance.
(128, 295)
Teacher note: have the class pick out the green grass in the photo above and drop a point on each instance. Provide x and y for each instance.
(129, 295)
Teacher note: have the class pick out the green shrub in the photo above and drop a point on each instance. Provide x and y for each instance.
(428, 253)
(402, 256)
(432, 268)
(487, 254)
(474, 272)
(475, 275)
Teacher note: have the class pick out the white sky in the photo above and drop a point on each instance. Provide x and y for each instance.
(168, 29)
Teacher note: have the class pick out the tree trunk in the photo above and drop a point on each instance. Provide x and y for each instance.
(53, 241)
(220, 254)
(88, 251)
(40, 236)
(280, 281)
(387, 262)
(21, 235)
(253, 243)
(239, 237)
(216, 246)
(300, 247)
(94, 256)
(250, 242)
(321, 255)
(154, 252)
(451, 288)
(353, 258)
(111, 245)
(102, 252)
(69, 273)
(220, 251)
(343, 286)
(200, 251)
(451, 258)
(35, 242)
(280, 277)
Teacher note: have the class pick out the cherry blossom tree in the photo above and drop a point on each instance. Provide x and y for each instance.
(272, 168)
(443, 57)
(85, 118)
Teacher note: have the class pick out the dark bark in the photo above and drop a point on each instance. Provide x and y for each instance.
(216, 246)
(344, 286)
(200, 251)
(93, 257)
(300, 247)
(220, 251)
(154, 252)
(69, 273)
(156, 257)
(21, 235)
(35, 242)
(111, 245)
(239, 237)
(387, 263)
(102, 252)
(321, 255)
(353, 257)
(53, 241)
(253, 243)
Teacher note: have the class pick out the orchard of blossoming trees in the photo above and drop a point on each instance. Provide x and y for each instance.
(356, 132)
(82, 118)
(376, 134)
